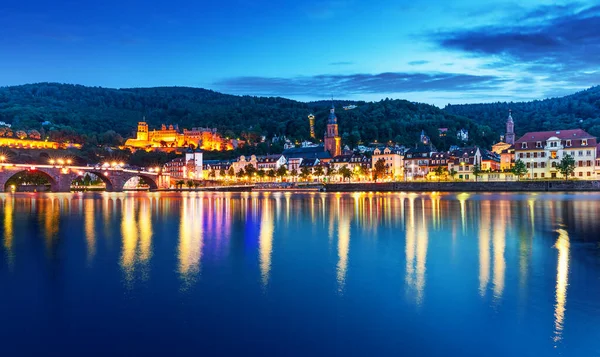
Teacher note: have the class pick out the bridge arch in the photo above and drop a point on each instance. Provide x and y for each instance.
(8, 175)
(149, 180)
(100, 174)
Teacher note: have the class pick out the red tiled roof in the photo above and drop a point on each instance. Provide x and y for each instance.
(561, 134)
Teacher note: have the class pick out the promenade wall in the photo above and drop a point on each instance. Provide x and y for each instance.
(509, 186)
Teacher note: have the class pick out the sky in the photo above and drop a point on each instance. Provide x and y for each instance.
(431, 51)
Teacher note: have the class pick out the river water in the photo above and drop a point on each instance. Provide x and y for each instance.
(290, 274)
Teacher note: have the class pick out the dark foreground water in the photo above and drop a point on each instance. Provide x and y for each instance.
(280, 274)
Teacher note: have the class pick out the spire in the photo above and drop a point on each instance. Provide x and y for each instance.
(510, 115)
(332, 118)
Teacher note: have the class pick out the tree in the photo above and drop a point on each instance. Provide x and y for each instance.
(453, 173)
(261, 174)
(231, 171)
(250, 170)
(318, 171)
(190, 184)
(240, 173)
(566, 166)
(477, 171)
(519, 169)
(346, 172)
(330, 171)
(294, 173)
(221, 173)
(196, 184)
(21, 134)
(179, 184)
(439, 171)
(212, 173)
(379, 169)
(282, 171)
(271, 173)
(305, 172)
(34, 134)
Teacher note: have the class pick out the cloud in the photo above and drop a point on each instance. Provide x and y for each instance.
(341, 63)
(549, 40)
(417, 63)
(358, 84)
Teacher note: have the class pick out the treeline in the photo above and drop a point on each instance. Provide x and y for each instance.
(104, 116)
(580, 110)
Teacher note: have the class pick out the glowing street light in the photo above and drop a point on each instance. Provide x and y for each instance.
(69, 161)
(2, 158)
(52, 161)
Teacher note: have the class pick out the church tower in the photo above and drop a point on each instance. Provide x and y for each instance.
(142, 131)
(510, 129)
(311, 122)
(333, 142)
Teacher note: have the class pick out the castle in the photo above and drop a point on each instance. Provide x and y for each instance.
(169, 138)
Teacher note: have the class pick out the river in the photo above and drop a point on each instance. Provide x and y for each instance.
(300, 274)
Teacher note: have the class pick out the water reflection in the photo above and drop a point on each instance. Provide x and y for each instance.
(499, 233)
(266, 240)
(8, 229)
(136, 232)
(562, 281)
(190, 239)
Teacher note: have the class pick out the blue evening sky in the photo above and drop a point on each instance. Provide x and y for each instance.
(431, 51)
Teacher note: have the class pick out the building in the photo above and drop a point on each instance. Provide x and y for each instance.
(490, 161)
(308, 152)
(270, 162)
(507, 158)
(463, 135)
(394, 161)
(437, 159)
(169, 138)
(442, 132)
(542, 151)
(187, 167)
(463, 161)
(510, 130)
(215, 169)
(332, 140)
(416, 162)
(354, 162)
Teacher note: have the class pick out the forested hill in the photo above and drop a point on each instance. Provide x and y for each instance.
(93, 113)
(580, 110)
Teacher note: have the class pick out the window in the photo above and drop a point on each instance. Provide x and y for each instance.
(528, 155)
(543, 175)
(535, 165)
(535, 174)
(580, 174)
(523, 145)
(579, 163)
(535, 154)
(542, 154)
(538, 144)
(589, 163)
(528, 165)
(553, 163)
(553, 155)
(583, 142)
(568, 143)
(520, 155)
(589, 173)
(588, 153)
(543, 165)
(580, 153)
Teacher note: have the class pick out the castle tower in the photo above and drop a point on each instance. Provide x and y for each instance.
(142, 131)
(311, 122)
(510, 129)
(333, 142)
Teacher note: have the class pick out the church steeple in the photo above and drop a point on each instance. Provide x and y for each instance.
(332, 140)
(510, 129)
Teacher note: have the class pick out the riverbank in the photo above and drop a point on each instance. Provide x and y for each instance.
(509, 186)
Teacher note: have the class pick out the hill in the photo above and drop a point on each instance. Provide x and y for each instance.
(104, 116)
(579, 110)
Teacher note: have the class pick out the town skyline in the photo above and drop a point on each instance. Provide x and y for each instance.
(434, 53)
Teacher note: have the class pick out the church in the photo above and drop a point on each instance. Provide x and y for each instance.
(332, 139)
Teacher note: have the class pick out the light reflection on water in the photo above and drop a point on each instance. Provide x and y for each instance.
(437, 240)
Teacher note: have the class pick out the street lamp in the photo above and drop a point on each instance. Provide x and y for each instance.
(2, 158)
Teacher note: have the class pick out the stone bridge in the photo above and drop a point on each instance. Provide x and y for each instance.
(61, 177)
